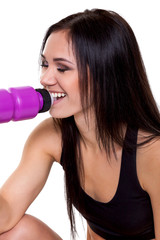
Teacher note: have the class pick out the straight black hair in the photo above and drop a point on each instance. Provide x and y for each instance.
(111, 70)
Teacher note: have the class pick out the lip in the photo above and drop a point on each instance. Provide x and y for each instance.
(57, 100)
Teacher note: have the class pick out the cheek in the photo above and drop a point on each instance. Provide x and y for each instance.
(74, 94)
(75, 84)
(72, 84)
(76, 91)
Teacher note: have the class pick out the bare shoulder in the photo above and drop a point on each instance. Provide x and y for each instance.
(148, 161)
(47, 138)
(148, 169)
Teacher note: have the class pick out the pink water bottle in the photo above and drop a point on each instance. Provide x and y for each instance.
(22, 103)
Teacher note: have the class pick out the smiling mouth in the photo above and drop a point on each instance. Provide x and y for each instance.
(57, 96)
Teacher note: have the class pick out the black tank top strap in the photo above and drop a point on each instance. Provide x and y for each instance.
(128, 175)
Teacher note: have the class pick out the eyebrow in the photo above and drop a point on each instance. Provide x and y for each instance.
(58, 59)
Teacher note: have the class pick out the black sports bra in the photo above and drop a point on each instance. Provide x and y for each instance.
(128, 215)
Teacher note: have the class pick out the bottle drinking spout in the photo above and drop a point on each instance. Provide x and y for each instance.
(22, 103)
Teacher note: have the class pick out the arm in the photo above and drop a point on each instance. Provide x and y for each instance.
(28, 179)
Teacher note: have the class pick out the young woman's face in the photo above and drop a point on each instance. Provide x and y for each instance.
(59, 75)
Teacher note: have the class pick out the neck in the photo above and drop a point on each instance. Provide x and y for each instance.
(87, 129)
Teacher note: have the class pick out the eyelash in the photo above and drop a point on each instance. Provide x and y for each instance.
(62, 69)
(44, 64)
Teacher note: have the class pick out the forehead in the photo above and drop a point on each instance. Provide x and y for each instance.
(58, 43)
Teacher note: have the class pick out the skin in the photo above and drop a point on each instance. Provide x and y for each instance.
(43, 147)
(55, 80)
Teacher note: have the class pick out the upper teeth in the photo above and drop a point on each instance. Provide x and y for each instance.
(58, 94)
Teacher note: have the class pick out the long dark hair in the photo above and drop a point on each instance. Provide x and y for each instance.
(104, 44)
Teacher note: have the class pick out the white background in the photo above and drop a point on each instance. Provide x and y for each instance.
(22, 27)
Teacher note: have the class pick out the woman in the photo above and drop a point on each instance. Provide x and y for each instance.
(104, 131)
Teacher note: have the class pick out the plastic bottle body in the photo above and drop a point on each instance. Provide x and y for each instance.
(20, 103)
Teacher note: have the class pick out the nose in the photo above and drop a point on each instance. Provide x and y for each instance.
(47, 77)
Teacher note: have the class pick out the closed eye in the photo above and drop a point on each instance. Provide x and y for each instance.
(61, 68)
(44, 64)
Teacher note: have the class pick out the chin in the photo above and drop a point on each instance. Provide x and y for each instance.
(59, 115)
(63, 113)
